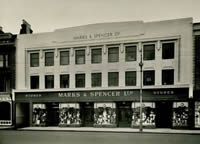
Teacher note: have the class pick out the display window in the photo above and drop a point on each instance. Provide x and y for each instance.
(69, 114)
(105, 114)
(180, 114)
(39, 115)
(197, 114)
(148, 114)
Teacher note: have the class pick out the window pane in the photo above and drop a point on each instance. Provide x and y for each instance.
(149, 52)
(130, 78)
(96, 79)
(149, 77)
(80, 56)
(168, 50)
(64, 57)
(34, 82)
(80, 80)
(113, 54)
(167, 77)
(113, 79)
(1, 60)
(131, 53)
(34, 59)
(96, 55)
(64, 81)
(49, 81)
(49, 58)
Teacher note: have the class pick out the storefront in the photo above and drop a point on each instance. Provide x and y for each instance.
(166, 108)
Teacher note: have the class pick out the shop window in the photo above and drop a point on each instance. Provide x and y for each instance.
(167, 77)
(34, 82)
(113, 54)
(39, 115)
(80, 80)
(49, 58)
(64, 57)
(131, 53)
(49, 81)
(96, 79)
(149, 52)
(96, 55)
(64, 81)
(130, 78)
(80, 56)
(34, 59)
(113, 78)
(168, 50)
(197, 114)
(149, 77)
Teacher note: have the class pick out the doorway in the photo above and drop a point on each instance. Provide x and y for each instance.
(87, 114)
(163, 114)
(52, 114)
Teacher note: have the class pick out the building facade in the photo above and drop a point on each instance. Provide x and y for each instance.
(90, 75)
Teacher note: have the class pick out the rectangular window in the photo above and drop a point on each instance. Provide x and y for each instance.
(49, 58)
(113, 54)
(168, 50)
(149, 52)
(34, 59)
(64, 57)
(113, 78)
(130, 78)
(64, 81)
(96, 55)
(80, 80)
(131, 53)
(35, 82)
(80, 56)
(168, 77)
(49, 81)
(149, 77)
(96, 79)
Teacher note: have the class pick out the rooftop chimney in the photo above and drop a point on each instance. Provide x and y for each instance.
(25, 28)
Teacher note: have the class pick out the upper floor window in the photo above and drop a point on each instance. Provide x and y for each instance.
(49, 58)
(131, 53)
(113, 54)
(34, 82)
(64, 81)
(168, 77)
(96, 55)
(149, 52)
(80, 80)
(130, 78)
(168, 50)
(64, 57)
(80, 56)
(3, 60)
(113, 78)
(96, 79)
(49, 81)
(34, 59)
(149, 77)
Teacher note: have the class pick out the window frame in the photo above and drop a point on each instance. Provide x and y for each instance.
(128, 78)
(46, 82)
(109, 57)
(60, 58)
(31, 64)
(110, 83)
(144, 78)
(76, 60)
(99, 79)
(93, 56)
(45, 59)
(76, 82)
(174, 48)
(143, 51)
(167, 78)
(126, 57)
(68, 80)
(31, 82)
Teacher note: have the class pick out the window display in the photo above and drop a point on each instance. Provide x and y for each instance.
(148, 114)
(105, 114)
(180, 114)
(197, 114)
(39, 115)
(69, 114)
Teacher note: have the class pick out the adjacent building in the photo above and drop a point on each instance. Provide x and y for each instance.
(90, 75)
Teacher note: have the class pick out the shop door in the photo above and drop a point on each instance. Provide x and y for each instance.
(87, 114)
(124, 114)
(164, 114)
(52, 114)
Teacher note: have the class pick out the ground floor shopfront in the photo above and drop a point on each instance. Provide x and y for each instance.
(161, 108)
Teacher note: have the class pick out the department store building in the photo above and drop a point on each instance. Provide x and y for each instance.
(90, 75)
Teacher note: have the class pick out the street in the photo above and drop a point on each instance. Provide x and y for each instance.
(63, 137)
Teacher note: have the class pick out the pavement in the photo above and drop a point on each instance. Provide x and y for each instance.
(113, 130)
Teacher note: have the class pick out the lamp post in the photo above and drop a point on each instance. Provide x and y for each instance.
(141, 64)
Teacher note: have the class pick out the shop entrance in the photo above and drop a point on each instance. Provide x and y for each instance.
(124, 114)
(52, 114)
(163, 114)
(87, 114)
